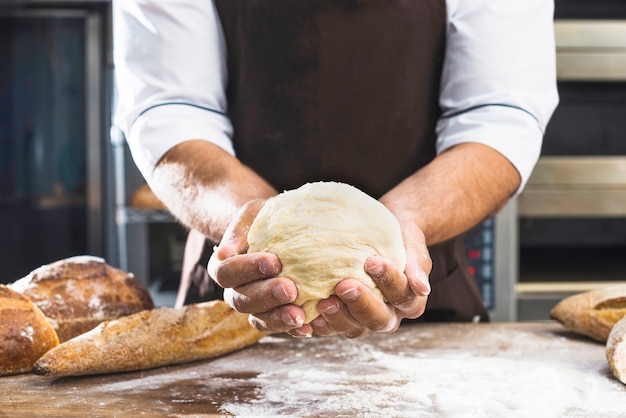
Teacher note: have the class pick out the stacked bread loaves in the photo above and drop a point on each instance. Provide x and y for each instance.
(81, 316)
(78, 293)
(61, 300)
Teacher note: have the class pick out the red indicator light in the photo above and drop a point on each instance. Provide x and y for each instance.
(473, 254)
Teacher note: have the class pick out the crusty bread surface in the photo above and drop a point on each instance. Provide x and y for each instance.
(592, 313)
(78, 293)
(150, 339)
(144, 198)
(25, 333)
(616, 350)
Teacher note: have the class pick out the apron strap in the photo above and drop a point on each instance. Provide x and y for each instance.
(195, 283)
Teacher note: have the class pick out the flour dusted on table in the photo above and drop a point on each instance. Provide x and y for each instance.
(322, 233)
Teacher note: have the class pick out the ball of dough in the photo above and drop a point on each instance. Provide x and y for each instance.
(322, 233)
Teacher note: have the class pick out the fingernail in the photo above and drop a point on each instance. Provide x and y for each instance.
(350, 294)
(375, 268)
(280, 293)
(267, 267)
(224, 251)
(331, 309)
(424, 284)
(300, 334)
(290, 321)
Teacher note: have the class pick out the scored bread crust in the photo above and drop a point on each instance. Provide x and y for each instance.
(25, 333)
(616, 350)
(592, 313)
(78, 293)
(150, 339)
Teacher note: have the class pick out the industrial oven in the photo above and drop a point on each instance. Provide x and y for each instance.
(566, 233)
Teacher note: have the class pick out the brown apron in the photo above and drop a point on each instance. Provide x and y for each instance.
(341, 90)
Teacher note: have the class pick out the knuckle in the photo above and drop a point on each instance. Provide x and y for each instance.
(240, 302)
(380, 326)
(219, 272)
(257, 323)
(407, 303)
(356, 333)
(416, 312)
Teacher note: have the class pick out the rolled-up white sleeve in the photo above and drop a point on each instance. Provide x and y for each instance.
(170, 75)
(498, 86)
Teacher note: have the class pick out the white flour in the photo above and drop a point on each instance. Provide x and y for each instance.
(410, 375)
(447, 384)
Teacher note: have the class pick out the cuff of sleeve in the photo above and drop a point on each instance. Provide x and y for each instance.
(161, 128)
(512, 132)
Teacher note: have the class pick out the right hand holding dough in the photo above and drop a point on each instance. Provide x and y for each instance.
(250, 280)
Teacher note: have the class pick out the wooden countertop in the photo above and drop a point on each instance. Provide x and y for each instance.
(425, 370)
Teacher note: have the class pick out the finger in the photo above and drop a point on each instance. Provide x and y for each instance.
(418, 265)
(235, 238)
(367, 308)
(321, 327)
(417, 274)
(391, 282)
(305, 331)
(281, 319)
(339, 319)
(262, 295)
(245, 268)
(395, 287)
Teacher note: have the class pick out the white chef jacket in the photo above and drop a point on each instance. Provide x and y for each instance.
(498, 85)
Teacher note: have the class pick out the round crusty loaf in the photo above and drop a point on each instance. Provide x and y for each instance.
(25, 334)
(616, 350)
(78, 293)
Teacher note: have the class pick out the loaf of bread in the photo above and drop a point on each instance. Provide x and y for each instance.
(78, 293)
(144, 198)
(616, 350)
(592, 313)
(25, 334)
(150, 339)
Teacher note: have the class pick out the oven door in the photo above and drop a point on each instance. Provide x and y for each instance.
(572, 214)
(52, 126)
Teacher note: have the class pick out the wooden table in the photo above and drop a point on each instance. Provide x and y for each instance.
(428, 370)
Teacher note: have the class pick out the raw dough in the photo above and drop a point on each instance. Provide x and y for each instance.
(322, 233)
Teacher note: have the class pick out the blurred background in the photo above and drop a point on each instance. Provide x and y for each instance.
(68, 185)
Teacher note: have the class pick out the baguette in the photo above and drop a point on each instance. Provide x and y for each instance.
(616, 350)
(25, 333)
(78, 293)
(150, 339)
(592, 313)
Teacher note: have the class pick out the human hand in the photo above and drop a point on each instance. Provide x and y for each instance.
(355, 310)
(250, 280)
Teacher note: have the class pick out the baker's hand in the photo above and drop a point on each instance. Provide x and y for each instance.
(356, 310)
(250, 281)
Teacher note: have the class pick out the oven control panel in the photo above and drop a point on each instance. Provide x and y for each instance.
(480, 248)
